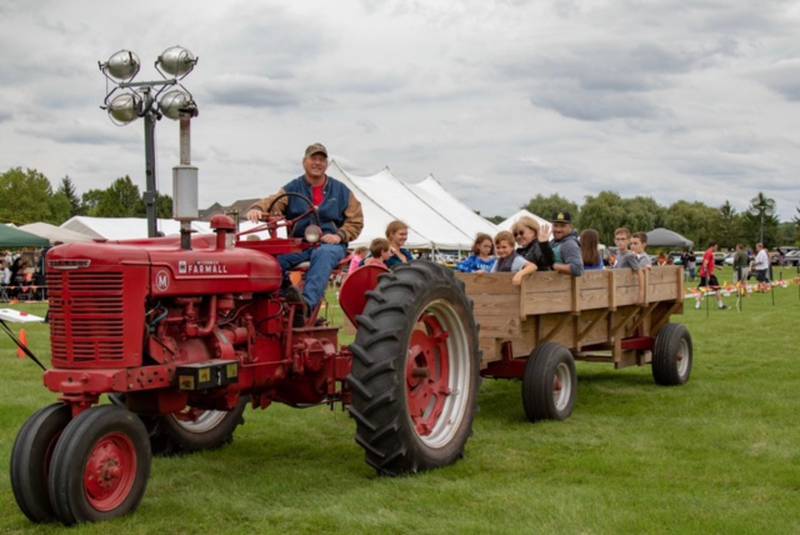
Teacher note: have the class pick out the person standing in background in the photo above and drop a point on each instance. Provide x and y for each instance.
(761, 263)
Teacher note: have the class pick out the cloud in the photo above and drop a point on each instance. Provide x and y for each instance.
(251, 91)
(783, 78)
(81, 134)
(5, 116)
(583, 105)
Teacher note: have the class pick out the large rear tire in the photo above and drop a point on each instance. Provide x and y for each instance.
(30, 460)
(550, 384)
(415, 373)
(100, 466)
(673, 355)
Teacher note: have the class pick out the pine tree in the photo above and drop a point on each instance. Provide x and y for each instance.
(67, 188)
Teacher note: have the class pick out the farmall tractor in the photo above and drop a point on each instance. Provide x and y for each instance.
(181, 338)
(182, 332)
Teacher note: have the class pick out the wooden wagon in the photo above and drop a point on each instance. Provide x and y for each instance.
(536, 331)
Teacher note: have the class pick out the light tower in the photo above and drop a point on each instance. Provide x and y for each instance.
(127, 100)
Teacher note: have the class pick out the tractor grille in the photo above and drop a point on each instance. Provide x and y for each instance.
(86, 317)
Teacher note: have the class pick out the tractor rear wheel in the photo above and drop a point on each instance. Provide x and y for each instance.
(30, 460)
(100, 466)
(549, 385)
(672, 355)
(415, 373)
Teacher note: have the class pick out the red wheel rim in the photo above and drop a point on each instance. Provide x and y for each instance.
(110, 472)
(427, 374)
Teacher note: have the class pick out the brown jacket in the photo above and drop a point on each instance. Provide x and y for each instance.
(334, 208)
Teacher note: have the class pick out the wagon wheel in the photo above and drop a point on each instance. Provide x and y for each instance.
(415, 370)
(30, 460)
(100, 466)
(549, 385)
(673, 355)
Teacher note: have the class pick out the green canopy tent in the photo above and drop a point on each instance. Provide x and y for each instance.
(11, 237)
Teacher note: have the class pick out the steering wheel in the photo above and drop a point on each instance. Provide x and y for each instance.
(290, 223)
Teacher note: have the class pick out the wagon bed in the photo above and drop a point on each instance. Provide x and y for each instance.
(601, 316)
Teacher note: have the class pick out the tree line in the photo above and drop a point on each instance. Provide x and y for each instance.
(27, 196)
(695, 220)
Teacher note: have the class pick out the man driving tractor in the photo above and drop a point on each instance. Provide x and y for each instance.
(340, 218)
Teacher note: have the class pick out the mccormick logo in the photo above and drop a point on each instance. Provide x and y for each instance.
(201, 267)
(162, 280)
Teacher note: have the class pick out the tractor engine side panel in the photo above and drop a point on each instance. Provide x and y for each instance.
(210, 271)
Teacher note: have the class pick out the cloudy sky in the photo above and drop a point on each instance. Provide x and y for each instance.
(500, 100)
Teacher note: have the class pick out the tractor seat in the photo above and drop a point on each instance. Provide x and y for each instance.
(302, 266)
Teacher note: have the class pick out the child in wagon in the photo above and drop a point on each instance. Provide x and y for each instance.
(380, 251)
(508, 260)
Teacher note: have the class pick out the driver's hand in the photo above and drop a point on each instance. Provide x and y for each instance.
(333, 239)
(255, 215)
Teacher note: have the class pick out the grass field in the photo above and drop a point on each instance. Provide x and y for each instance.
(718, 455)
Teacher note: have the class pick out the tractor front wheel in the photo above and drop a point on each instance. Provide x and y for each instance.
(30, 460)
(193, 429)
(415, 370)
(100, 466)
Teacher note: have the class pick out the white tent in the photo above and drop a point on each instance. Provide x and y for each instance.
(124, 228)
(436, 196)
(376, 218)
(393, 197)
(55, 234)
(508, 223)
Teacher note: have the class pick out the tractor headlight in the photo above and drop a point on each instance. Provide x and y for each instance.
(313, 233)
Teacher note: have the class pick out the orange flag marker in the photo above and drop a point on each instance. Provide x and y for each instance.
(23, 337)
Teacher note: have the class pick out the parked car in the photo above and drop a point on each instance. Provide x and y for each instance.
(793, 258)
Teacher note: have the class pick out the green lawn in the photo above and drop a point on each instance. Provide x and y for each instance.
(720, 454)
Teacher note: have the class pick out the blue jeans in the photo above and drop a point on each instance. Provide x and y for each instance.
(323, 261)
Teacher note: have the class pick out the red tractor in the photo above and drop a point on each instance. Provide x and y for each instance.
(182, 335)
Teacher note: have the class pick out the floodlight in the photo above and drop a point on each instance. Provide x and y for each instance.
(122, 65)
(125, 107)
(176, 61)
(176, 104)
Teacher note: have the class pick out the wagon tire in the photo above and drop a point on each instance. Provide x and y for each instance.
(673, 355)
(100, 466)
(30, 460)
(415, 374)
(549, 384)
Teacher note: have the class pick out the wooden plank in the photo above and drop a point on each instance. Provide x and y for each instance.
(611, 288)
(556, 328)
(500, 326)
(592, 323)
(488, 283)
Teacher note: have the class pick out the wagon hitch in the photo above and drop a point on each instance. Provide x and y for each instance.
(21, 346)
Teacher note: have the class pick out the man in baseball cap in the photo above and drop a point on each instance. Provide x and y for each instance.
(565, 245)
(339, 214)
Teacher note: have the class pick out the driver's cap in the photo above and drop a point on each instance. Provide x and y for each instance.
(316, 148)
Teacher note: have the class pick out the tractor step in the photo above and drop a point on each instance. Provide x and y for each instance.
(208, 374)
